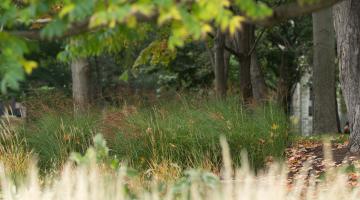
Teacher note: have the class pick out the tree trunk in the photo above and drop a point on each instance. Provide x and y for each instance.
(347, 26)
(96, 81)
(282, 91)
(227, 56)
(80, 84)
(259, 89)
(220, 76)
(243, 42)
(325, 115)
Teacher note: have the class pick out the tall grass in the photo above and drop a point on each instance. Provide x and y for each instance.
(53, 137)
(13, 152)
(92, 182)
(163, 139)
(186, 134)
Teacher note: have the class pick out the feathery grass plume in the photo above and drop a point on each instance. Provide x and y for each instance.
(13, 152)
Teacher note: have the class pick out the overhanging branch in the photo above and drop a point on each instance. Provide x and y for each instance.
(291, 10)
(76, 29)
(280, 13)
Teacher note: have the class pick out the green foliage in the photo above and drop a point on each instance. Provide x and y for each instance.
(12, 61)
(187, 68)
(110, 25)
(107, 41)
(285, 51)
(56, 28)
(195, 177)
(156, 53)
(98, 153)
(253, 9)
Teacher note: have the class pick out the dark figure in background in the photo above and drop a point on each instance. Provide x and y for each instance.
(2, 109)
(12, 109)
(347, 128)
(15, 108)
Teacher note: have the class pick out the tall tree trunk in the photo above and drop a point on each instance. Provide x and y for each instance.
(324, 87)
(220, 76)
(347, 27)
(80, 70)
(259, 89)
(243, 42)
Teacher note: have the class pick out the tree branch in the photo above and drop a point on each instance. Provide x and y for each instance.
(256, 42)
(280, 13)
(227, 48)
(76, 29)
(291, 10)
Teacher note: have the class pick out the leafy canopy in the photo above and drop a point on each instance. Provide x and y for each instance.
(104, 25)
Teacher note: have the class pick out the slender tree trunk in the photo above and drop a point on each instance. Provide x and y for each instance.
(324, 87)
(259, 89)
(99, 78)
(283, 95)
(243, 42)
(227, 56)
(220, 78)
(80, 84)
(347, 27)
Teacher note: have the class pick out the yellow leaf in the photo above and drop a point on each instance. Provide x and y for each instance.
(131, 21)
(274, 126)
(235, 24)
(205, 29)
(170, 14)
(29, 66)
(66, 9)
(226, 3)
(112, 23)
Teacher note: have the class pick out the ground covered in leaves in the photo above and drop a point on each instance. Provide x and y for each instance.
(318, 156)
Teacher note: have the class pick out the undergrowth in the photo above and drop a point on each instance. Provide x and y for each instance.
(161, 140)
(186, 134)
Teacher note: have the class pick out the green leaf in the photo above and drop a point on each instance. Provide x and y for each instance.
(56, 28)
(124, 76)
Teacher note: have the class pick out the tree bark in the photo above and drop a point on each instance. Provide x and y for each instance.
(259, 89)
(243, 42)
(347, 27)
(80, 70)
(220, 76)
(325, 112)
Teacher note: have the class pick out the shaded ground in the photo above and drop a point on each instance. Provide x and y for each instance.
(312, 152)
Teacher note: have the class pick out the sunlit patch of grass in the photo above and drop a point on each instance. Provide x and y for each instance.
(13, 153)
